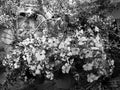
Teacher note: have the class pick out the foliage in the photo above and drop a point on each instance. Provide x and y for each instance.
(75, 41)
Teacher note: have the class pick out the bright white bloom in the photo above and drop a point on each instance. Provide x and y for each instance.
(43, 39)
(81, 43)
(39, 56)
(33, 50)
(88, 54)
(16, 65)
(83, 39)
(53, 42)
(72, 2)
(75, 51)
(97, 29)
(62, 45)
(83, 1)
(79, 33)
(32, 67)
(91, 77)
(98, 42)
(39, 67)
(94, 48)
(43, 52)
(88, 66)
(24, 58)
(62, 54)
(66, 68)
(69, 53)
(8, 56)
(49, 75)
(29, 59)
(67, 41)
(37, 71)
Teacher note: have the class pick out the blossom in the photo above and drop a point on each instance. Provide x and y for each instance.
(66, 68)
(24, 57)
(75, 51)
(49, 75)
(43, 39)
(16, 65)
(72, 2)
(39, 67)
(96, 29)
(68, 40)
(53, 42)
(40, 55)
(91, 77)
(32, 67)
(98, 42)
(79, 33)
(88, 66)
(29, 59)
(62, 45)
(37, 71)
(81, 43)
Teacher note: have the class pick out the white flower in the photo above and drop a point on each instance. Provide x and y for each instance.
(53, 42)
(32, 67)
(75, 51)
(94, 48)
(33, 50)
(91, 77)
(88, 54)
(39, 67)
(69, 53)
(43, 38)
(66, 68)
(37, 71)
(49, 75)
(98, 42)
(112, 62)
(39, 56)
(8, 56)
(24, 58)
(43, 52)
(81, 43)
(62, 45)
(83, 39)
(29, 59)
(88, 66)
(16, 65)
(62, 54)
(96, 29)
(72, 2)
(79, 33)
(67, 41)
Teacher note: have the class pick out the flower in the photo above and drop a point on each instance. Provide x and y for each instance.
(88, 66)
(96, 29)
(37, 71)
(40, 55)
(75, 51)
(16, 66)
(32, 67)
(53, 42)
(49, 75)
(91, 77)
(29, 59)
(66, 68)
(39, 67)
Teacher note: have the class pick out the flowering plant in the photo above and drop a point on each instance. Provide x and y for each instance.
(73, 42)
(46, 54)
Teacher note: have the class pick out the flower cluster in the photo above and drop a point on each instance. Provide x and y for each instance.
(45, 54)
